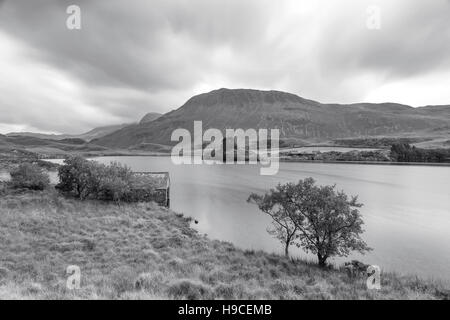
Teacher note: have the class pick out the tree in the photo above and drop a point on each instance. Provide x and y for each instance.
(29, 176)
(89, 179)
(276, 205)
(403, 152)
(78, 175)
(326, 222)
(115, 183)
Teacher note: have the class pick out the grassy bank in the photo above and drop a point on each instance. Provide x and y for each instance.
(141, 251)
(10, 159)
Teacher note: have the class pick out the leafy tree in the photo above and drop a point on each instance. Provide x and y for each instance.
(276, 205)
(327, 222)
(86, 179)
(403, 152)
(78, 175)
(115, 183)
(29, 176)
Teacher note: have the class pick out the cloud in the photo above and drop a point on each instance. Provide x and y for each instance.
(132, 57)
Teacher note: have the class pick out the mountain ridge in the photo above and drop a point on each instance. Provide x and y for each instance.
(296, 117)
(149, 117)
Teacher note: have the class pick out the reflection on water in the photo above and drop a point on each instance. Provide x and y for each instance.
(406, 208)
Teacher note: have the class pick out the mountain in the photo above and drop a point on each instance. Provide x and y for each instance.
(87, 136)
(149, 117)
(297, 118)
(100, 132)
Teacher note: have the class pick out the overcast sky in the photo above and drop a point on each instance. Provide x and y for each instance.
(132, 57)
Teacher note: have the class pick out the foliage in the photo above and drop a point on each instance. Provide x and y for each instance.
(88, 179)
(318, 219)
(275, 205)
(403, 152)
(376, 142)
(115, 183)
(77, 175)
(29, 176)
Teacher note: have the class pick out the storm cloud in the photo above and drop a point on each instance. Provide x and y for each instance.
(134, 57)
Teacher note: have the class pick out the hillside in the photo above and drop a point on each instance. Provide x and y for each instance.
(149, 117)
(141, 251)
(100, 131)
(47, 147)
(297, 118)
(87, 136)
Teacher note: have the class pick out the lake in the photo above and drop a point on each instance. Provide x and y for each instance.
(406, 208)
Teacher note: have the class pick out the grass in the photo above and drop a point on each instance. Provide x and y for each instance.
(10, 159)
(142, 251)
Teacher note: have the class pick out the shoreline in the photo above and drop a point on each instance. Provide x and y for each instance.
(431, 164)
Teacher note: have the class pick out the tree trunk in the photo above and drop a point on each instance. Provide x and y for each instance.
(286, 249)
(322, 260)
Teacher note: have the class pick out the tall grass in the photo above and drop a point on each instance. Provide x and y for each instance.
(141, 251)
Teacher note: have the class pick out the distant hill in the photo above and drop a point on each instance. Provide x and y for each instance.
(39, 135)
(149, 117)
(62, 143)
(48, 146)
(297, 118)
(87, 136)
(101, 131)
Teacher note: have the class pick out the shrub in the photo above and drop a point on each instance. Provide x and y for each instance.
(86, 179)
(29, 176)
(114, 183)
(77, 175)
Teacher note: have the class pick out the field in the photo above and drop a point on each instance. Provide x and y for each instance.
(142, 251)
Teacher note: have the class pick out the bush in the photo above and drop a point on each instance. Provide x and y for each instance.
(114, 183)
(88, 179)
(77, 176)
(29, 176)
